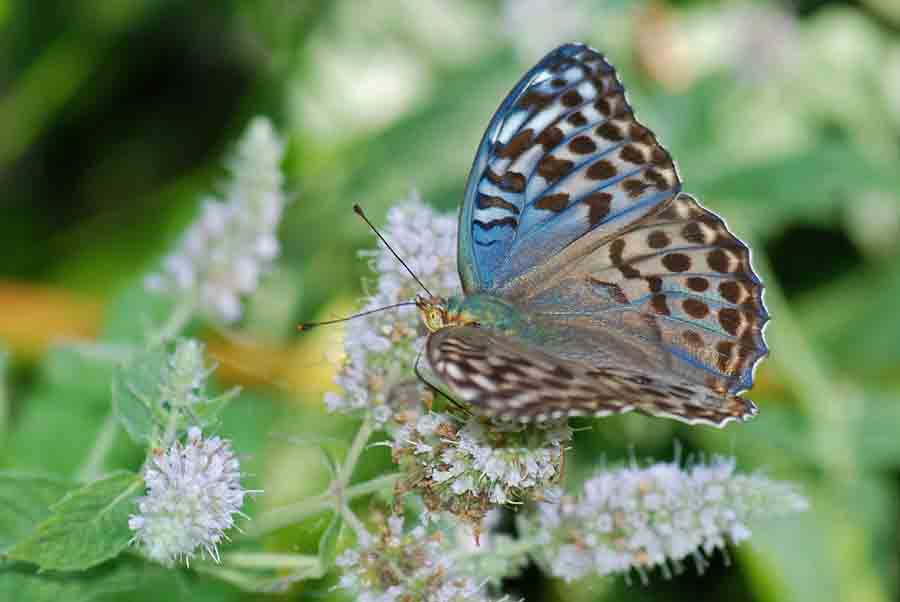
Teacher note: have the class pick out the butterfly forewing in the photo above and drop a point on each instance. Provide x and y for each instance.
(508, 378)
(562, 156)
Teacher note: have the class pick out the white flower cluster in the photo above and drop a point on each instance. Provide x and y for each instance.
(225, 251)
(397, 565)
(193, 493)
(466, 469)
(381, 349)
(642, 518)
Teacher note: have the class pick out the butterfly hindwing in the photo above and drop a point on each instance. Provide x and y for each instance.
(678, 285)
(562, 156)
(508, 378)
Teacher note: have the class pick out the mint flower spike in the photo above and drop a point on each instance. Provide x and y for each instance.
(400, 564)
(468, 468)
(226, 250)
(193, 494)
(381, 349)
(643, 518)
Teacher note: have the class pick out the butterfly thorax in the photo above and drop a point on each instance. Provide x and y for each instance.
(480, 309)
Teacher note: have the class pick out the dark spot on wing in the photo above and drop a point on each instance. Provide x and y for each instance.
(571, 98)
(677, 262)
(582, 145)
(553, 202)
(552, 169)
(631, 154)
(534, 99)
(730, 291)
(730, 319)
(550, 138)
(696, 283)
(610, 131)
(487, 202)
(658, 239)
(718, 260)
(577, 119)
(517, 145)
(634, 188)
(496, 223)
(601, 170)
(599, 204)
(659, 304)
(695, 308)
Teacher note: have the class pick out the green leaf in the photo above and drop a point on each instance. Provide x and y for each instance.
(86, 527)
(157, 583)
(208, 413)
(805, 186)
(24, 584)
(134, 312)
(54, 431)
(83, 368)
(328, 542)
(329, 460)
(25, 501)
(135, 393)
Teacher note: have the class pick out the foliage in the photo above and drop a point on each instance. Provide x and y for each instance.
(783, 118)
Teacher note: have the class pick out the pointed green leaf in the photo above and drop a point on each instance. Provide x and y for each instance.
(25, 501)
(328, 460)
(207, 413)
(24, 583)
(328, 542)
(88, 526)
(135, 391)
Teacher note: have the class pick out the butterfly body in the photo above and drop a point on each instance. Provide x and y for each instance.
(592, 284)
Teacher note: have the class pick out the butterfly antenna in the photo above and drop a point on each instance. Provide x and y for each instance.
(359, 212)
(311, 325)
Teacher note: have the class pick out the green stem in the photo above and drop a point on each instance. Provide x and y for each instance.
(266, 561)
(284, 516)
(103, 443)
(239, 569)
(178, 319)
(356, 448)
(358, 527)
(249, 583)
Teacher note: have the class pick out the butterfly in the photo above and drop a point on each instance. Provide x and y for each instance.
(593, 285)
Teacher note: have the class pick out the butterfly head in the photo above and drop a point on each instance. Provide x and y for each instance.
(438, 313)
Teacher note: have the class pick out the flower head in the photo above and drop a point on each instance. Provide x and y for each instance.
(641, 518)
(399, 564)
(225, 251)
(193, 493)
(381, 349)
(468, 468)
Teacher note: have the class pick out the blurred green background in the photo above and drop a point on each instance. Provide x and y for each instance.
(115, 117)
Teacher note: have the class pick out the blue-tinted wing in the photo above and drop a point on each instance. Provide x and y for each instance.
(675, 294)
(562, 157)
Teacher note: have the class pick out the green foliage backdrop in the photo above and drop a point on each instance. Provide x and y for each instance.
(785, 118)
